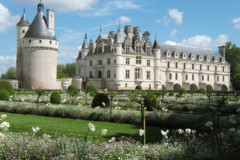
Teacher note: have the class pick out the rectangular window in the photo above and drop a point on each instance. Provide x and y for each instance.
(30, 41)
(148, 50)
(90, 74)
(138, 60)
(108, 61)
(176, 64)
(99, 50)
(168, 64)
(200, 67)
(223, 69)
(108, 74)
(138, 49)
(114, 61)
(184, 65)
(23, 31)
(186, 77)
(148, 62)
(215, 68)
(176, 76)
(208, 78)
(217, 78)
(127, 61)
(148, 74)
(40, 41)
(99, 62)
(137, 73)
(90, 63)
(107, 49)
(127, 48)
(202, 77)
(126, 85)
(127, 76)
(193, 77)
(208, 68)
(50, 42)
(192, 66)
(223, 79)
(114, 75)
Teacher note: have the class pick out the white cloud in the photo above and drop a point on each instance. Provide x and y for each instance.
(176, 15)
(67, 54)
(173, 32)
(165, 20)
(7, 62)
(202, 41)
(126, 5)
(124, 19)
(236, 22)
(6, 20)
(66, 5)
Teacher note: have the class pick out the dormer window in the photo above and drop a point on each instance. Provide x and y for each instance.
(148, 50)
(168, 53)
(207, 58)
(222, 60)
(138, 49)
(99, 50)
(176, 55)
(215, 59)
(184, 56)
(200, 58)
(127, 48)
(191, 56)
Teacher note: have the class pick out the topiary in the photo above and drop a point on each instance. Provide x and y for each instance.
(99, 99)
(7, 86)
(4, 95)
(202, 91)
(55, 97)
(72, 90)
(92, 90)
(150, 102)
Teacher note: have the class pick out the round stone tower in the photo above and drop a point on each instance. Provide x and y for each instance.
(39, 52)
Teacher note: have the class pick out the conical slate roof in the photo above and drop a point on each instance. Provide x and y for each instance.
(38, 28)
(156, 44)
(85, 44)
(23, 21)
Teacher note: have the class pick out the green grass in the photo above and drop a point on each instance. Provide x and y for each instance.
(77, 128)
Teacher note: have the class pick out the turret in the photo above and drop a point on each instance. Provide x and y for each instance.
(84, 49)
(157, 68)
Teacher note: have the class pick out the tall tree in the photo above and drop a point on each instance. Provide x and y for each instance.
(233, 57)
(9, 74)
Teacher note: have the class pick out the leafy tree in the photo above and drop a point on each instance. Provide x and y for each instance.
(92, 90)
(181, 92)
(7, 86)
(100, 100)
(61, 74)
(233, 57)
(9, 74)
(39, 92)
(66, 70)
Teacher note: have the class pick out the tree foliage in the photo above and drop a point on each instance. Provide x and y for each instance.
(233, 57)
(73, 90)
(100, 100)
(9, 74)
(66, 70)
(7, 86)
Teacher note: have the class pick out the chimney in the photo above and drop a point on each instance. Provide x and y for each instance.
(128, 29)
(51, 21)
(136, 31)
(221, 50)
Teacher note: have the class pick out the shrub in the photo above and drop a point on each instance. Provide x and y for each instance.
(202, 91)
(99, 99)
(55, 97)
(150, 102)
(73, 90)
(92, 90)
(4, 95)
(171, 93)
(7, 86)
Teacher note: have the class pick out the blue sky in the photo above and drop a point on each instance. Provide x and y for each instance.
(199, 23)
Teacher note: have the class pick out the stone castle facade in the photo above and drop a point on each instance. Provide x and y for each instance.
(37, 49)
(127, 60)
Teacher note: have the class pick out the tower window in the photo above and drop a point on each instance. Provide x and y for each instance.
(168, 64)
(184, 65)
(202, 77)
(50, 42)
(192, 66)
(176, 65)
(23, 31)
(200, 67)
(40, 41)
(208, 78)
(208, 68)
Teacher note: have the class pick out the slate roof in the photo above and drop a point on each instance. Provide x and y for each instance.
(23, 21)
(38, 28)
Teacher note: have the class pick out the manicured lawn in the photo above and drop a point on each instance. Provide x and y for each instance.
(77, 128)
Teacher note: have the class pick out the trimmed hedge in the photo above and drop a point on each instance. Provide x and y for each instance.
(4, 95)
(55, 97)
(73, 90)
(99, 99)
(150, 102)
(92, 90)
(7, 86)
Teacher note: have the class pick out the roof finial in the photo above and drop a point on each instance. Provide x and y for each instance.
(119, 24)
(23, 10)
(155, 36)
(100, 29)
(85, 35)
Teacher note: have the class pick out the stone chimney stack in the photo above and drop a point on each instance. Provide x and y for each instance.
(128, 29)
(51, 21)
(136, 31)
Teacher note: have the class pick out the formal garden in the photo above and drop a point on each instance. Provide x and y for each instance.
(94, 124)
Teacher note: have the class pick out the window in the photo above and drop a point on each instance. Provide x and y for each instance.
(193, 77)
(29, 41)
(208, 78)
(138, 49)
(90, 74)
(176, 64)
(208, 68)
(90, 63)
(148, 50)
(99, 74)
(217, 78)
(108, 74)
(148, 62)
(114, 61)
(127, 61)
(127, 48)
(148, 74)
(99, 62)
(192, 66)
(50, 42)
(186, 77)
(200, 67)
(184, 65)
(99, 50)
(202, 77)
(215, 68)
(126, 85)
(23, 31)
(114, 75)
(40, 41)
(107, 49)
(138, 60)
(170, 76)
(176, 76)
(223, 78)
(108, 61)
(127, 74)
(90, 51)
(223, 68)
(168, 64)
(137, 73)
